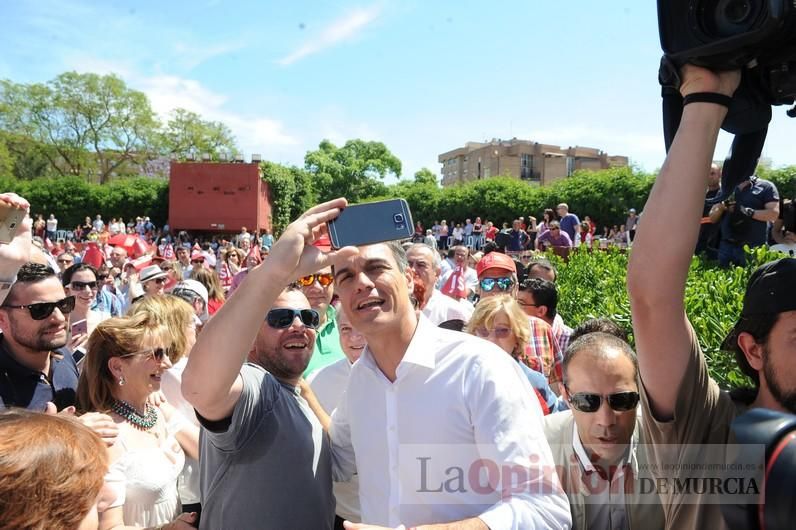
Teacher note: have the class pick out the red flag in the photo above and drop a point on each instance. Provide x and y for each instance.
(455, 286)
(93, 255)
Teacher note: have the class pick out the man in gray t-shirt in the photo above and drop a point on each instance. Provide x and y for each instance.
(265, 461)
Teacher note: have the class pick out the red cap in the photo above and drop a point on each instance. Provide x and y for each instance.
(495, 260)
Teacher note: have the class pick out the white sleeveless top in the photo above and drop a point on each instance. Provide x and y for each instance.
(145, 481)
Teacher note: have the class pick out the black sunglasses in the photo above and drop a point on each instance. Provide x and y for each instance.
(155, 353)
(42, 310)
(283, 318)
(79, 286)
(620, 402)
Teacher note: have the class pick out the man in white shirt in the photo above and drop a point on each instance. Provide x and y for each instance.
(329, 383)
(435, 418)
(52, 227)
(425, 262)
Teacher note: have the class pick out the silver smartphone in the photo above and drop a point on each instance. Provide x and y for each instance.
(371, 222)
(10, 218)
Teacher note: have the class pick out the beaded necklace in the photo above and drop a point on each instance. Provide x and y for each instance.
(128, 412)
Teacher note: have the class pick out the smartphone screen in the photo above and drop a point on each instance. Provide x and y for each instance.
(372, 222)
(80, 327)
(10, 217)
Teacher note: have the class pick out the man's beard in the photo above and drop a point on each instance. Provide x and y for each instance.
(37, 342)
(785, 397)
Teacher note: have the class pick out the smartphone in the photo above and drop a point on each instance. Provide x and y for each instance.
(10, 218)
(79, 327)
(371, 222)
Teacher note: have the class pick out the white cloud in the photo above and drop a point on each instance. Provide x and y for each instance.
(253, 132)
(338, 31)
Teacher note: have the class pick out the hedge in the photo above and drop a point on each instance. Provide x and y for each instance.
(593, 284)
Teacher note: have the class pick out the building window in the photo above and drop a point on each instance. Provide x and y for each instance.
(526, 168)
(570, 165)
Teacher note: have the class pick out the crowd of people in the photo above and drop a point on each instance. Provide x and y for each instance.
(422, 384)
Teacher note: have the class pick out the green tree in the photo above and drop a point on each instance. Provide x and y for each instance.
(291, 193)
(355, 171)
(186, 134)
(425, 176)
(6, 160)
(91, 125)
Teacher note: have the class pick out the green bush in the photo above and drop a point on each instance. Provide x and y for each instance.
(593, 284)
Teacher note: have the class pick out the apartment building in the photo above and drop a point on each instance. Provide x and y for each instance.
(529, 161)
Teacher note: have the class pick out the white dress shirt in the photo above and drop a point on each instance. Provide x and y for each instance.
(329, 383)
(605, 506)
(459, 406)
(441, 308)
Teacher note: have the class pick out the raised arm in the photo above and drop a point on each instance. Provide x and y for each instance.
(16, 252)
(210, 381)
(666, 239)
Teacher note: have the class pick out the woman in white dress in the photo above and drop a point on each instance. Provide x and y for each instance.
(126, 358)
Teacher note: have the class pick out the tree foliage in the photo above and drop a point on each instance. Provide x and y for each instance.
(187, 135)
(354, 171)
(92, 125)
(291, 193)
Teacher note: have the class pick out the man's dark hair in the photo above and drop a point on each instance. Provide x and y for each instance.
(29, 273)
(66, 277)
(543, 263)
(544, 294)
(602, 325)
(598, 342)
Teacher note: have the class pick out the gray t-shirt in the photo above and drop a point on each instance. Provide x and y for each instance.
(269, 465)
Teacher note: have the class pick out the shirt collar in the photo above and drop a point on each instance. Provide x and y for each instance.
(418, 353)
(585, 461)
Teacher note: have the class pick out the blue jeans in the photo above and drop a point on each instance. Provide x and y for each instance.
(731, 254)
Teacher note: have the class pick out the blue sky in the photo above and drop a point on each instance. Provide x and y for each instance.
(424, 77)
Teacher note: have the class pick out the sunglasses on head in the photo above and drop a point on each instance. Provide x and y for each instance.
(325, 279)
(499, 333)
(155, 353)
(42, 310)
(79, 286)
(282, 318)
(503, 284)
(619, 402)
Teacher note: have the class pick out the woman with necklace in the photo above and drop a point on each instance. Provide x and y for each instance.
(126, 358)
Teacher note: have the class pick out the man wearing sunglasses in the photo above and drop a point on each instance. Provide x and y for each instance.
(319, 290)
(497, 274)
(598, 445)
(35, 366)
(682, 406)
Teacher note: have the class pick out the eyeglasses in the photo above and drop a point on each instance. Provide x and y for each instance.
(554, 228)
(155, 353)
(159, 281)
(282, 318)
(195, 261)
(325, 279)
(42, 310)
(102, 277)
(620, 402)
(79, 286)
(503, 284)
(62, 260)
(499, 333)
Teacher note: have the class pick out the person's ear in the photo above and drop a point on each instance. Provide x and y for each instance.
(115, 367)
(752, 350)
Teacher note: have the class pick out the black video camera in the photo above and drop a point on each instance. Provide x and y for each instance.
(775, 431)
(757, 36)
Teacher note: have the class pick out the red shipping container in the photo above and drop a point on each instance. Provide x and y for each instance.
(218, 197)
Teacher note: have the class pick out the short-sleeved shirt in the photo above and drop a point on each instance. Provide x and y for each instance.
(327, 344)
(739, 229)
(30, 389)
(703, 415)
(270, 467)
(568, 224)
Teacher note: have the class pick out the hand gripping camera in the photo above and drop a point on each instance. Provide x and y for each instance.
(757, 36)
